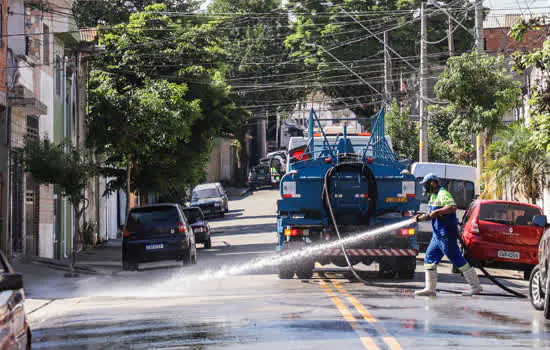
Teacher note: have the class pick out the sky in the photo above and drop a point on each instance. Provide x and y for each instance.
(520, 6)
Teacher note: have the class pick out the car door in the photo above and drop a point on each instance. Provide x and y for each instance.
(13, 323)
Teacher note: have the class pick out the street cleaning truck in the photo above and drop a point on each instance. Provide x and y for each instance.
(342, 186)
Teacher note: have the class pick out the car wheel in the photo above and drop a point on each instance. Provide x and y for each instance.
(187, 257)
(29, 340)
(527, 273)
(536, 295)
(208, 244)
(129, 266)
(547, 297)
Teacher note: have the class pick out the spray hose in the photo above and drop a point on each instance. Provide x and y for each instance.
(373, 195)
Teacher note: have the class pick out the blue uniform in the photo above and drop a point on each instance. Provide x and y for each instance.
(444, 234)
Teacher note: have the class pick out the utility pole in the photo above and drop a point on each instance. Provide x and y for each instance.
(480, 48)
(423, 147)
(278, 130)
(387, 75)
(261, 133)
(450, 36)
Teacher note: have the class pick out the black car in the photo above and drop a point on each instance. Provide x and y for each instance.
(260, 176)
(15, 331)
(157, 232)
(209, 198)
(539, 282)
(200, 226)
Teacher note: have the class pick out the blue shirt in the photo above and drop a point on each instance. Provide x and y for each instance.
(443, 224)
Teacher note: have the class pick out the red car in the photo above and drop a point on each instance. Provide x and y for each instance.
(501, 234)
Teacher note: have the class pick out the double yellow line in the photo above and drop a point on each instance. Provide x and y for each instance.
(355, 324)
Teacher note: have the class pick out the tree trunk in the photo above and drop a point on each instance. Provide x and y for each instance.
(74, 250)
(128, 184)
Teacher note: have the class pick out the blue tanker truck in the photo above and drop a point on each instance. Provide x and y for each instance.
(367, 186)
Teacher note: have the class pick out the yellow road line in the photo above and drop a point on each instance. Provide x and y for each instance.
(392, 343)
(364, 337)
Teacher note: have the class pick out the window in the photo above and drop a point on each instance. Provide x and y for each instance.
(152, 219)
(32, 126)
(463, 192)
(27, 45)
(193, 215)
(508, 213)
(46, 53)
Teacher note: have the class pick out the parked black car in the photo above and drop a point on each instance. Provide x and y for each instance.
(209, 198)
(15, 331)
(200, 226)
(260, 176)
(539, 283)
(157, 232)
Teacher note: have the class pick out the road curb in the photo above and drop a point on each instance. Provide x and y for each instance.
(59, 265)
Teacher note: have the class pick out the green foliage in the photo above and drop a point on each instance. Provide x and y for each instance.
(516, 162)
(64, 165)
(402, 131)
(110, 12)
(539, 102)
(323, 24)
(154, 104)
(480, 90)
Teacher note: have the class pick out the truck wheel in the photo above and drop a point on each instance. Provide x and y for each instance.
(305, 272)
(385, 271)
(407, 267)
(285, 273)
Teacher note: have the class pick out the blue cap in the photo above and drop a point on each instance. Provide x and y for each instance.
(429, 177)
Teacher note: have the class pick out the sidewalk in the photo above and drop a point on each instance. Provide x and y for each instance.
(103, 260)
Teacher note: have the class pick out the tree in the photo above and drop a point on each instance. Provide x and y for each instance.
(111, 12)
(258, 65)
(516, 162)
(539, 60)
(154, 102)
(66, 166)
(480, 90)
(321, 23)
(403, 132)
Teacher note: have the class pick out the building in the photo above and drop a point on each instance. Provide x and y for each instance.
(496, 29)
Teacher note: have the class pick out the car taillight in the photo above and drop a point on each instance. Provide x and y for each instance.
(474, 228)
(126, 233)
(181, 227)
(407, 232)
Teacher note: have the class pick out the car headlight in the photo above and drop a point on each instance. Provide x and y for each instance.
(218, 204)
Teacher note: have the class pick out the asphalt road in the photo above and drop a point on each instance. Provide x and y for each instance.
(169, 307)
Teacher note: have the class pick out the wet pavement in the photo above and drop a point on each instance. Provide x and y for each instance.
(165, 306)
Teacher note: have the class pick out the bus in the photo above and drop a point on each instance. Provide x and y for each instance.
(460, 180)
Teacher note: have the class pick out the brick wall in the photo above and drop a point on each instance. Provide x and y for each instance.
(498, 41)
(4, 45)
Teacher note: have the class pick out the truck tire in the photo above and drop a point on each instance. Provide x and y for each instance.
(305, 271)
(407, 267)
(285, 273)
(386, 271)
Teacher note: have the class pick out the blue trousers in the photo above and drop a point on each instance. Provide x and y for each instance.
(444, 245)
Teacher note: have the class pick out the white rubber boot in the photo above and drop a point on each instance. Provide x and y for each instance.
(473, 280)
(431, 282)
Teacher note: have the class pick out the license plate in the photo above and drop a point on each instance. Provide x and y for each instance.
(508, 255)
(154, 246)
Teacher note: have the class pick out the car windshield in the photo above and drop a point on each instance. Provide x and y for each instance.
(508, 213)
(152, 218)
(206, 193)
(193, 215)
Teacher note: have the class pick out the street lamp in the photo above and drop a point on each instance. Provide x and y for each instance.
(343, 64)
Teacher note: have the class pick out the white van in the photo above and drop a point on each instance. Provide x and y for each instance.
(460, 180)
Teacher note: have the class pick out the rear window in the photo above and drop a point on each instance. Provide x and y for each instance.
(193, 215)
(463, 192)
(508, 214)
(152, 218)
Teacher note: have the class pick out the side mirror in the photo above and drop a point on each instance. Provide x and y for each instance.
(11, 281)
(540, 220)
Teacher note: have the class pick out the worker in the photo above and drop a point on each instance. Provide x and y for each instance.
(444, 238)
